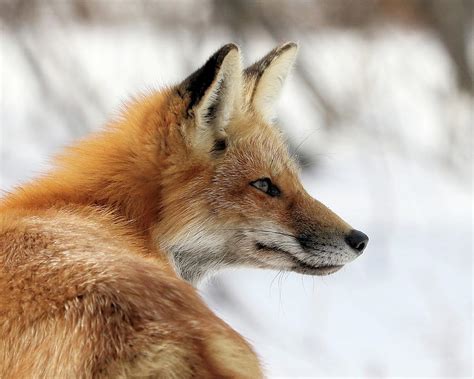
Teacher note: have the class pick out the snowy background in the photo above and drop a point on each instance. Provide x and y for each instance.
(381, 102)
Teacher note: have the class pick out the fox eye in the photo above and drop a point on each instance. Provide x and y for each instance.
(266, 185)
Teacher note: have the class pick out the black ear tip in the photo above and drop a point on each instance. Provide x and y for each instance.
(288, 46)
(228, 47)
(220, 54)
(198, 82)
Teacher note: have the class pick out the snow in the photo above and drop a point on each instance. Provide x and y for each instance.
(404, 308)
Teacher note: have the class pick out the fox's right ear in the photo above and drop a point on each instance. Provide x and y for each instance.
(213, 91)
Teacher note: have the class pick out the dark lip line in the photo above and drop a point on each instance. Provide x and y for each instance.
(261, 246)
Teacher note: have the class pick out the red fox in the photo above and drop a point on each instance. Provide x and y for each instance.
(99, 257)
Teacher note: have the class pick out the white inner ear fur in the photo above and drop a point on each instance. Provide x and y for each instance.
(220, 100)
(271, 82)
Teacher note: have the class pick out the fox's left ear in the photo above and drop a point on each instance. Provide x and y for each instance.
(214, 92)
(264, 79)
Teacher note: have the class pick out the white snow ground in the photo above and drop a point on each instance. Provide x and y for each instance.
(404, 308)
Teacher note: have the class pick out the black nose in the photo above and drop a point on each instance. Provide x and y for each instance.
(357, 240)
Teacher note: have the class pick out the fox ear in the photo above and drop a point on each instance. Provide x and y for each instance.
(264, 79)
(213, 92)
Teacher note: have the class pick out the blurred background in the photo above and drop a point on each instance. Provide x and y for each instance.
(381, 106)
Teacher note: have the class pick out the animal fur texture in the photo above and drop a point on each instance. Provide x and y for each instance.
(98, 258)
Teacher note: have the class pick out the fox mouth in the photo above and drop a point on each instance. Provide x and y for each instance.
(301, 266)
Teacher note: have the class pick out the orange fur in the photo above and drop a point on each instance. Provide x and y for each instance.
(94, 253)
(83, 297)
(83, 291)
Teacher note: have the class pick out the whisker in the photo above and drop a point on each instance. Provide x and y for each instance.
(273, 280)
(279, 287)
(311, 133)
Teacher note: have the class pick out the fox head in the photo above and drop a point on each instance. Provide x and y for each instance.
(200, 170)
(230, 194)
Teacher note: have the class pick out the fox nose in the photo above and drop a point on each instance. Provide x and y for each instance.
(357, 240)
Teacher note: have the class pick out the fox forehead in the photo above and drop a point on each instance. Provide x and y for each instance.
(257, 146)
